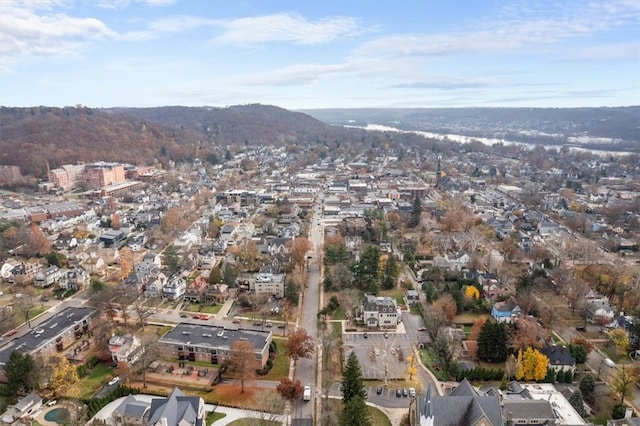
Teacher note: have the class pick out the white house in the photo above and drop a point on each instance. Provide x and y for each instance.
(379, 312)
(174, 288)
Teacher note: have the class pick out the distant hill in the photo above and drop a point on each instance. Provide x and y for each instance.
(40, 137)
(618, 123)
(243, 124)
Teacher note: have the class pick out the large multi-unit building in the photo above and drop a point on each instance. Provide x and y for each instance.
(379, 312)
(211, 344)
(53, 335)
(97, 175)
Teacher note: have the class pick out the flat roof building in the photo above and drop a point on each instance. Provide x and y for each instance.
(212, 344)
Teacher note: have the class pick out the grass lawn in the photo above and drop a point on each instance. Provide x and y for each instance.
(336, 329)
(212, 417)
(612, 353)
(88, 385)
(253, 422)
(429, 359)
(378, 418)
(396, 293)
(210, 309)
(280, 363)
(339, 314)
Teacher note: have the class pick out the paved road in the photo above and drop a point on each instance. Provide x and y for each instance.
(595, 361)
(306, 368)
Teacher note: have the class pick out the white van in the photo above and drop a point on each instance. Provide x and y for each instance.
(609, 362)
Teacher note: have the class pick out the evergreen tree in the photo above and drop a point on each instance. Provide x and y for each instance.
(576, 402)
(416, 212)
(492, 342)
(588, 387)
(365, 272)
(229, 275)
(171, 260)
(21, 372)
(215, 276)
(551, 376)
(355, 413)
(291, 292)
(352, 380)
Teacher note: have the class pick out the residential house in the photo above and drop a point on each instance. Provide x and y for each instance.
(177, 409)
(455, 263)
(196, 291)
(48, 276)
(175, 288)
(131, 412)
(95, 265)
(227, 233)
(124, 348)
(506, 310)
(413, 297)
(559, 358)
(74, 279)
(22, 411)
(268, 282)
(465, 405)
(216, 293)
(155, 285)
(380, 312)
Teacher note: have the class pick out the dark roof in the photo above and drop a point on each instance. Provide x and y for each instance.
(51, 328)
(528, 409)
(209, 336)
(558, 355)
(175, 408)
(463, 406)
(130, 407)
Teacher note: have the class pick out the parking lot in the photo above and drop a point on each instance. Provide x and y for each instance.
(378, 354)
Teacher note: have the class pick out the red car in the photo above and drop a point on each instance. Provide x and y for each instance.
(12, 332)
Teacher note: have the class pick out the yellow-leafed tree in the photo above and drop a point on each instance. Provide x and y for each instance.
(619, 338)
(63, 375)
(472, 292)
(532, 364)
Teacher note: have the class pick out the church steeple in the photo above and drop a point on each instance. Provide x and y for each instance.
(426, 416)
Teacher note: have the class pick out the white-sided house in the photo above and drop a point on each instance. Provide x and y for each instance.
(24, 409)
(454, 263)
(174, 288)
(186, 240)
(74, 279)
(123, 348)
(156, 285)
(47, 276)
(379, 312)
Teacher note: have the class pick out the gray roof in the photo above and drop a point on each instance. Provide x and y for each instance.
(558, 355)
(209, 336)
(51, 328)
(131, 407)
(528, 409)
(175, 408)
(464, 406)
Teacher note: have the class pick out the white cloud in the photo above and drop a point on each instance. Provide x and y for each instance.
(603, 52)
(510, 31)
(284, 27)
(26, 31)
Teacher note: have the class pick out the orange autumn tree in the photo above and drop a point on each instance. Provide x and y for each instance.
(532, 364)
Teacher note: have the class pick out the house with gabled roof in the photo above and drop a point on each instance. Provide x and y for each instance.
(379, 312)
(465, 405)
(506, 310)
(559, 358)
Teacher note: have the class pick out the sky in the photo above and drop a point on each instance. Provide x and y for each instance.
(320, 53)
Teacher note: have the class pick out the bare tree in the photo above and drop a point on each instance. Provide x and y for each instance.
(269, 404)
(242, 361)
(149, 352)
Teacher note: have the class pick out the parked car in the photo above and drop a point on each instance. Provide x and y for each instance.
(52, 403)
(379, 390)
(365, 335)
(398, 393)
(405, 392)
(269, 325)
(412, 392)
(183, 315)
(236, 321)
(113, 381)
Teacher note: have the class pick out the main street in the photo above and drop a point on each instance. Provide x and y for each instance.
(303, 412)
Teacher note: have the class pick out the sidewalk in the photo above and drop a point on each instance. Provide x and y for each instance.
(233, 414)
(224, 311)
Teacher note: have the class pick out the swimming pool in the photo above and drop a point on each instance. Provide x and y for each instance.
(57, 415)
